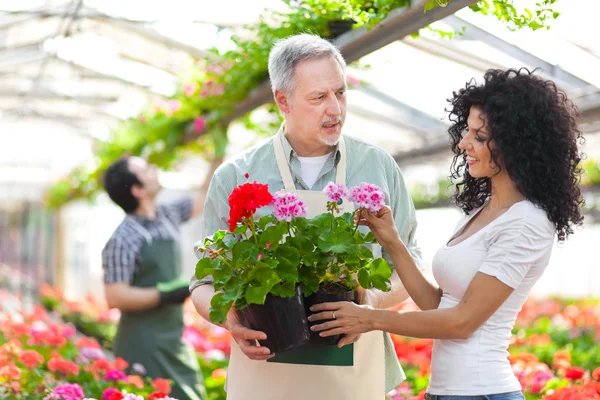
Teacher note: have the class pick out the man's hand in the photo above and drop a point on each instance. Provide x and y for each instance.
(173, 292)
(247, 338)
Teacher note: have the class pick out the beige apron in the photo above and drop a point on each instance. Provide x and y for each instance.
(261, 380)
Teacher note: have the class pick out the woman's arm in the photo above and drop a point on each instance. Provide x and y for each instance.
(424, 293)
(484, 296)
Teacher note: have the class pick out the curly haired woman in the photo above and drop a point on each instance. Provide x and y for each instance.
(515, 142)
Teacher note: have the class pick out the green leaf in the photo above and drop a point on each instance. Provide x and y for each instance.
(370, 238)
(322, 221)
(285, 289)
(429, 6)
(289, 255)
(309, 280)
(288, 271)
(273, 235)
(204, 267)
(365, 253)
(221, 274)
(234, 290)
(219, 308)
(257, 294)
(266, 220)
(380, 267)
(380, 283)
(245, 250)
(337, 242)
(264, 274)
(363, 279)
(240, 230)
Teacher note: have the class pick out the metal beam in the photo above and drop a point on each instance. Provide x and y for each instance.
(50, 95)
(420, 122)
(445, 48)
(473, 32)
(356, 44)
(438, 149)
(90, 13)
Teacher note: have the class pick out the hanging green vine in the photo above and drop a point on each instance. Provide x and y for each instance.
(223, 79)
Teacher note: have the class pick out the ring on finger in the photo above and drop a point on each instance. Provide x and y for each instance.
(333, 314)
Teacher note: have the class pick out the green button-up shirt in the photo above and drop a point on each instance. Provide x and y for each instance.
(365, 163)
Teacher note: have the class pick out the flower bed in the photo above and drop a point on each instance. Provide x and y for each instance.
(43, 359)
(93, 318)
(554, 351)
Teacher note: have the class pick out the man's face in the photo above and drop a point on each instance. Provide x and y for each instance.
(147, 175)
(317, 106)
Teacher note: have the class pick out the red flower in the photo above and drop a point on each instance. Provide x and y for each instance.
(31, 358)
(162, 385)
(574, 373)
(64, 366)
(245, 199)
(121, 364)
(596, 374)
(246, 175)
(157, 395)
(116, 396)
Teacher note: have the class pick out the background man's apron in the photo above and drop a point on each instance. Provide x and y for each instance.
(364, 380)
(153, 338)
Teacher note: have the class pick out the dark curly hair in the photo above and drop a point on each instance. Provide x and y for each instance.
(535, 135)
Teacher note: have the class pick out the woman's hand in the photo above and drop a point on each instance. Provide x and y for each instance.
(381, 224)
(348, 318)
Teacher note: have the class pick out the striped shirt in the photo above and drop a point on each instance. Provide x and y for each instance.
(121, 256)
(365, 163)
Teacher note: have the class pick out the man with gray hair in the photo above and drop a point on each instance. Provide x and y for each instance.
(308, 77)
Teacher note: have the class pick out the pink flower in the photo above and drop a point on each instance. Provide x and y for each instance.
(108, 392)
(218, 90)
(67, 391)
(190, 88)
(173, 106)
(367, 196)
(69, 331)
(287, 205)
(352, 81)
(115, 375)
(335, 192)
(199, 124)
(131, 396)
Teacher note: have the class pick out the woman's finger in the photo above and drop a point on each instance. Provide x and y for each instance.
(326, 325)
(336, 331)
(326, 307)
(321, 316)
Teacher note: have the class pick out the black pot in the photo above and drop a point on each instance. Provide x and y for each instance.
(317, 298)
(338, 28)
(283, 320)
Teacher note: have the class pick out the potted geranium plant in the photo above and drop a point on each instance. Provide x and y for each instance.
(256, 271)
(266, 267)
(342, 260)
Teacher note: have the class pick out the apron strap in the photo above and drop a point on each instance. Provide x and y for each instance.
(284, 167)
(141, 229)
(340, 176)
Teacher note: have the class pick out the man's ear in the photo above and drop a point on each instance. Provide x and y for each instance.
(282, 101)
(137, 191)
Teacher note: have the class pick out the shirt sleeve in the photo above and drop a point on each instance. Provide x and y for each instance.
(405, 215)
(179, 211)
(515, 246)
(215, 216)
(118, 260)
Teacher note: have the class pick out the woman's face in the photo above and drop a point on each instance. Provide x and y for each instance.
(475, 144)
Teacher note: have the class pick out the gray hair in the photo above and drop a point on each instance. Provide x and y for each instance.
(287, 53)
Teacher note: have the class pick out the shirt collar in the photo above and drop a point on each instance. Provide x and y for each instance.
(289, 151)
